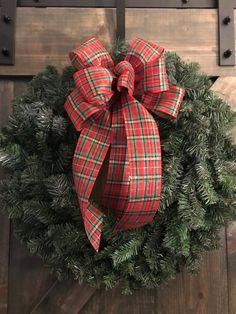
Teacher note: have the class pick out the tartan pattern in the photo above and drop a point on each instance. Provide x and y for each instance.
(89, 54)
(95, 84)
(112, 106)
(125, 73)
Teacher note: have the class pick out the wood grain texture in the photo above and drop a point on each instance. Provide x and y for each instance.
(66, 297)
(4, 249)
(225, 87)
(6, 95)
(231, 253)
(191, 33)
(205, 293)
(46, 35)
(29, 279)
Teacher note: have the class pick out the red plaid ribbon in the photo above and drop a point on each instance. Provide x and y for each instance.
(111, 106)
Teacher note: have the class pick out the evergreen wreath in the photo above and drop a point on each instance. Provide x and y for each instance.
(198, 190)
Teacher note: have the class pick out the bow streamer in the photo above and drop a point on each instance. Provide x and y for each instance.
(112, 107)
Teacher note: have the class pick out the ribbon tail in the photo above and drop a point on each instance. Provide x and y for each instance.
(90, 152)
(116, 192)
(93, 219)
(144, 156)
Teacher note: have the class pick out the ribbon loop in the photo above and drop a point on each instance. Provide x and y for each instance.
(94, 84)
(125, 73)
(119, 118)
(91, 53)
(148, 62)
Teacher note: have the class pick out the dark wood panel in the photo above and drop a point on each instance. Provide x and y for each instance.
(4, 249)
(231, 253)
(42, 38)
(205, 293)
(6, 95)
(225, 87)
(66, 297)
(29, 279)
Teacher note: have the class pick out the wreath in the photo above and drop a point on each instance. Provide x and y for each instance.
(198, 183)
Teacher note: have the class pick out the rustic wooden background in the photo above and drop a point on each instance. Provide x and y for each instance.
(45, 35)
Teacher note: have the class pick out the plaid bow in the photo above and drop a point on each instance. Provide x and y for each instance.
(111, 106)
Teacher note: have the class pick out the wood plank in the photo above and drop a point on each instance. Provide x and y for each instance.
(64, 297)
(6, 95)
(190, 33)
(42, 38)
(225, 87)
(29, 279)
(205, 293)
(231, 252)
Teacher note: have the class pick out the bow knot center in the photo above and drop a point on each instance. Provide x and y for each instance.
(125, 74)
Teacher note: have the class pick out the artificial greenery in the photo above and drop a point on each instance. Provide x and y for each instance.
(197, 199)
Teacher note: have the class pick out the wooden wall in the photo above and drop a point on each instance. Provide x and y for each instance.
(45, 35)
